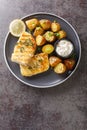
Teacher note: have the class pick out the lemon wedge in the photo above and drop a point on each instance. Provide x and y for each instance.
(17, 27)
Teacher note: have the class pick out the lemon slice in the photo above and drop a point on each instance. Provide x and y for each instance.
(17, 27)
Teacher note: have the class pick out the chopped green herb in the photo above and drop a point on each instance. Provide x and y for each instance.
(21, 42)
(50, 34)
(21, 49)
(28, 42)
(57, 34)
(33, 22)
(40, 60)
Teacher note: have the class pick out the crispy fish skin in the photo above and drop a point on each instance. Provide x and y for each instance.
(38, 64)
(24, 49)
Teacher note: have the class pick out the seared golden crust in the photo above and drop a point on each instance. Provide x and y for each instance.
(38, 64)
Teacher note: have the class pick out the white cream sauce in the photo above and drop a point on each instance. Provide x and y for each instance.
(64, 48)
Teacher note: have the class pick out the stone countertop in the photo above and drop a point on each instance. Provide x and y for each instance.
(63, 107)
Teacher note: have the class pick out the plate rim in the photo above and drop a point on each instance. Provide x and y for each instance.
(58, 83)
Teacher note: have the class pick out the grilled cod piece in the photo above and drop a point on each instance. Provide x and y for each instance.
(38, 64)
(24, 49)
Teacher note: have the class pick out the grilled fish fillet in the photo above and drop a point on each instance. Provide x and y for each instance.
(38, 64)
(24, 49)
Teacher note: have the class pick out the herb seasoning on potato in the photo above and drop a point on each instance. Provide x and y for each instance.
(55, 27)
(45, 24)
(32, 23)
(69, 63)
(48, 48)
(49, 36)
(38, 31)
(62, 34)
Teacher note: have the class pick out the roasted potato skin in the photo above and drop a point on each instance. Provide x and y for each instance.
(49, 36)
(70, 63)
(40, 40)
(60, 68)
(32, 23)
(61, 34)
(38, 31)
(45, 24)
(53, 60)
(55, 27)
(48, 48)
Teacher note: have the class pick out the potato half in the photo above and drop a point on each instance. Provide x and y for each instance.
(53, 60)
(48, 48)
(55, 27)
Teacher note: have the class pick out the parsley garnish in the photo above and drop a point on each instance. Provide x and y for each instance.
(57, 34)
(28, 42)
(21, 49)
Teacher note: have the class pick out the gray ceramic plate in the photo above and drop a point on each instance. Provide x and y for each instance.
(49, 78)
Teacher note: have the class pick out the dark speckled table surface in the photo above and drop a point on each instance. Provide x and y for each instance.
(63, 107)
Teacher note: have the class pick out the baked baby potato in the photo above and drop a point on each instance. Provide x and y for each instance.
(55, 27)
(40, 40)
(32, 23)
(49, 36)
(60, 68)
(48, 48)
(38, 31)
(45, 24)
(61, 34)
